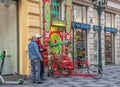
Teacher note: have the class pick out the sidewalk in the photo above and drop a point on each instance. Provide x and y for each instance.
(111, 78)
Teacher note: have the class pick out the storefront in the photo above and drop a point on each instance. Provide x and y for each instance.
(52, 19)
(9, 35)
(57, 26)
(80, 40)
(110, 38)
(80, 31)
(110, 45)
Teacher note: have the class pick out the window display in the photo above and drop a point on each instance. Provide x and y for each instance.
(80, 44)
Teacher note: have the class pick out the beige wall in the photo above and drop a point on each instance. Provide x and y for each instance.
(29, 24)
(8, 36)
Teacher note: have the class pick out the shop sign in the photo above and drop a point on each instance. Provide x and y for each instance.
(76, 25)
(80, 26)
(85, 26)
(96, 28)
(58, 23)
(108, 29)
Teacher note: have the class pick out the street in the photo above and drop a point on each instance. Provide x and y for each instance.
(111, 78)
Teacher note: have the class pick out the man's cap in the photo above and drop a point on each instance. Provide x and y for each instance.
(38, 36)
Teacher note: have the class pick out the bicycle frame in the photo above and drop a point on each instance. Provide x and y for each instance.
(64, 62)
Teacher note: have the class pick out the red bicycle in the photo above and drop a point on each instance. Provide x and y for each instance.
(63, 65)
(59, 64)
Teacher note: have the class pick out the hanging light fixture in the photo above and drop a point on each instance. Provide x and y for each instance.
(100, 2)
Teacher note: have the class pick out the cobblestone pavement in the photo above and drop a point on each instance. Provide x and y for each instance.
(111, 78)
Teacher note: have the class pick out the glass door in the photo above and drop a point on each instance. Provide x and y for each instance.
(80, 44)
(109, 48)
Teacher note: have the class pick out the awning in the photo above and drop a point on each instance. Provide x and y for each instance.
(113, 30)
(81, 26)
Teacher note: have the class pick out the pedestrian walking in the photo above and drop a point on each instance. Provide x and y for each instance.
(35, 58)
(41, 49)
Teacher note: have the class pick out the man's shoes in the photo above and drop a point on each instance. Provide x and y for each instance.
(39, 82)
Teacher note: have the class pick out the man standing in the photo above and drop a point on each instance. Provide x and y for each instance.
(35, 58)
(41, 49)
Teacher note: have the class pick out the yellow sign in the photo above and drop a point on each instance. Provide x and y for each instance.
(58, 23)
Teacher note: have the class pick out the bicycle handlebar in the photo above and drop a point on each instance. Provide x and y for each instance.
(3, 53)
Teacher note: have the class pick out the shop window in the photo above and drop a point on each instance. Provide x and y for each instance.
(95, 19)
(110, 19)
(80, 13)
(80, 44)
(58, 7)
(84, 14)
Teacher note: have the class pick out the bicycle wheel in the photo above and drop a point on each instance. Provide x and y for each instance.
(95, 71)
(66, 72)
(54, 70)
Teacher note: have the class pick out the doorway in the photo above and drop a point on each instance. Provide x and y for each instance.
(80, 43)
(109, 48)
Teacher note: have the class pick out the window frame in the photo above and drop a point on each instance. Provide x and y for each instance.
(82, 9)
(57, 17)
(112, 16)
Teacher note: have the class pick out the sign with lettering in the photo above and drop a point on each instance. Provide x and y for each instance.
(108, 29)
(96, 28)
(58, 23)
(81, 26)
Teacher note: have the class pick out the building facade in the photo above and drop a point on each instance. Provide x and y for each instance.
(58, 20)
(20, 20)
(109, 34)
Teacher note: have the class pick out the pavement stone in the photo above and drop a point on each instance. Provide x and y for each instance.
(111, 78)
